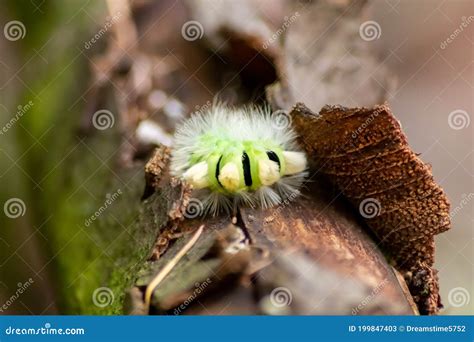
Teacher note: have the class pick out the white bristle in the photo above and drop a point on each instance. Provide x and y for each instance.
(295, 162)
(229, 176)
(149, 132)
(197, 175)
(268, 172)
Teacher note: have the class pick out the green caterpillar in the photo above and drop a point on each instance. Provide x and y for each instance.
(235, 157)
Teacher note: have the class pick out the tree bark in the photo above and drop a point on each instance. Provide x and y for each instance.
(311, 255)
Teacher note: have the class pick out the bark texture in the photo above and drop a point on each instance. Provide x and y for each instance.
(310, 255)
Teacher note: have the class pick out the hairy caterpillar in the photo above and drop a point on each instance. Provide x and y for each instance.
(235, 157)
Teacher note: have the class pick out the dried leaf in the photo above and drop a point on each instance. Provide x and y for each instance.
(364, 152)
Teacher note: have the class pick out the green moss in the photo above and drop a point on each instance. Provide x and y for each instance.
(72, 174)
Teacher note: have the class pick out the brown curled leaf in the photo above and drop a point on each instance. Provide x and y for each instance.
(364, 152)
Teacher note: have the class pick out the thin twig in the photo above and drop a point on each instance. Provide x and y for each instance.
(169, 266)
